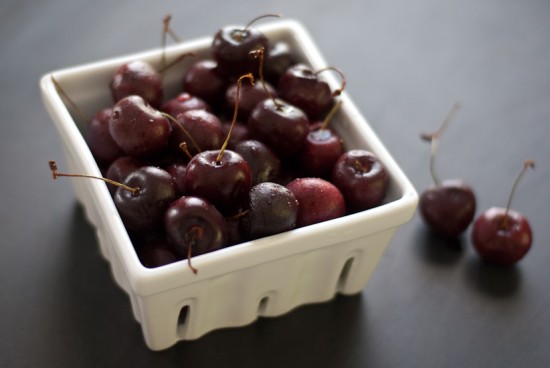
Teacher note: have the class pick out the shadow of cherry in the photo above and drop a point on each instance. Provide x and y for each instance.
(437, 249)
(492, 280)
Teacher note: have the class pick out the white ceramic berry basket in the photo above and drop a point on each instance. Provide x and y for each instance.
(234, 286)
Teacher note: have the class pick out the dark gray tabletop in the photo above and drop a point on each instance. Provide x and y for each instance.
(428, 304)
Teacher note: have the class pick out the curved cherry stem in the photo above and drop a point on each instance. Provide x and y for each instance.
(68, 100)
(261, 55)
(258, 18)
(194, 233)
(165, 67)
(56, 174)
(250, 77)
(528, 164)
(338, 91)
(330, 115)
(433, 137)
(185, 131)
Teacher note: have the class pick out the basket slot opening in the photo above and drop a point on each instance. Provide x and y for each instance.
(182, 319)
(344, 274)
(262, 306)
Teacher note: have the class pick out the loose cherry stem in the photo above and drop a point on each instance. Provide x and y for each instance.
(235, 111)
(68, 100)
(56, 174)
(261, 55)
(526, 165)
(166, 30)
(433, 137)
(338, 91)
(185, 131)
(330, 115)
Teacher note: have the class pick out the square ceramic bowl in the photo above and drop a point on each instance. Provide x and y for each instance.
(267, 277)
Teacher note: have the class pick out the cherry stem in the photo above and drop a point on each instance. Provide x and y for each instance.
(185, 131)
(258, 18)
(68, 100)
(250, 77)
(165, 67)
(261, 55)
(342, 77)
(528, 164)
(56, 174)
(194, 233)
(330, 115)
(183, 147)
(433, 137)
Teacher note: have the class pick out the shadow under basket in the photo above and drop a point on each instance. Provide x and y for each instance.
(265, 277)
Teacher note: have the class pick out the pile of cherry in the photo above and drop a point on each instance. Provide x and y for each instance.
(243, 152)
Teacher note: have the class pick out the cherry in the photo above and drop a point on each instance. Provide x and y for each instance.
(501, 235)
(222, 177)
(200, 130)
(272, 209)
(280, 125)
(361, 178)
(184, 102)
(321, 148)
(138, 128)
(120, 168)
(318, 200)
(99, 139)
(143, 210)
(239, 132)
(137, 78)
(195, 226)
(264, 164)
(279, 59)
(301, 86)
(447, 207)
(204, 81)
(177, 170)
(250, 96)
(231, 47)
(156, 253)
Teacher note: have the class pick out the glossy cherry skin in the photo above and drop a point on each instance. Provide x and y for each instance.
(448, 208)
(184, 102)
(320, 151)
(231, 49)
(264, 164)
(204, 128)
(144, 211)
(282, 127)
(224, 183)
(156, 253)
(362, 179)
(138, 128)
(204, 81)
(300, 86)
(318, 200)
(272, 209)
(250, 95)
(137, 78)
(499, 242)
(99, 139)
(120, 168)
(279, 59)
(193, 222)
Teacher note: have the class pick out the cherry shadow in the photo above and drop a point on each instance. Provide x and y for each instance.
(437, 249)
(492, 280)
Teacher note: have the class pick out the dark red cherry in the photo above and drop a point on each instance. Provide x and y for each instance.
(223, 181)
(448, 208)
(99, 139)
(204, 81)
(195, 227)
(501, 235)
(120, 168)
(250, 95)
(279, 59)
(200, 130)
(231, 49)
(272, 209)
(137, 78)
(318, 200)
(362, 179)
(138, 128)
(264, 164)
(184, 102)
(280, 125)
(143, 210)
(156, 253)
